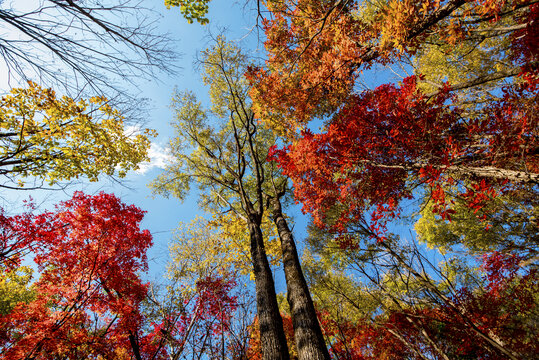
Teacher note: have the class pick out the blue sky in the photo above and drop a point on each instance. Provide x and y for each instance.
(163, 215)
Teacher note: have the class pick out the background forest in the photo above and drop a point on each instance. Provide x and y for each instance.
(352, 179)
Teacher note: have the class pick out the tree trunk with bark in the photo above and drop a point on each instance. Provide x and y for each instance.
(310, 342)
(272, 338)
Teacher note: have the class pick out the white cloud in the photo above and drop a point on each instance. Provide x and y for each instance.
(159, 158)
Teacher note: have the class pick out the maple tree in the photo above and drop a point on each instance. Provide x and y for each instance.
(477, 135)
(396, 143)
(53, 139)
(86, 301)
(317, 49)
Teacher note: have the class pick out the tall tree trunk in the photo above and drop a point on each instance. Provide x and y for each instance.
(307, 332)
(272, 338)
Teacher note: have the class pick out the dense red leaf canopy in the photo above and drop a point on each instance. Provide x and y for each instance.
(388, 140)
(89, 253)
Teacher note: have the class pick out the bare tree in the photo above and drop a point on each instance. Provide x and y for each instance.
(84, 45)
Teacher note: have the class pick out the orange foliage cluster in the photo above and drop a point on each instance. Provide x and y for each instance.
(378, 145)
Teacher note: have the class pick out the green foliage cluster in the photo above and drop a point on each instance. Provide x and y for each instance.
(507, 224)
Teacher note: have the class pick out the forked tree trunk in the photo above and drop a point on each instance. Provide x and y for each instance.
(310, 342)
(272, 337)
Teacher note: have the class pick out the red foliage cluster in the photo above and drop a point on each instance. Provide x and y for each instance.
(498, 312)
(214, 301)
(526, 45)
(361, 340)
(88, 252)
(363, 163)
(386, 140)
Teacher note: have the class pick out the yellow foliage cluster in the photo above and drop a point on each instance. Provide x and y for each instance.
(235, 230)
(59, 138)
(15, 288)
(220, 246)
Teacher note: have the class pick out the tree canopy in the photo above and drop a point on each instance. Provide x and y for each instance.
(407, 130)
(50, 139)
(456, 133)
(477, 134)
(85, 302)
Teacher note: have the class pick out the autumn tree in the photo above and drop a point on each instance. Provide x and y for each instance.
(388, 299)
(52, 139)
(228, 162)
(477, 132)
(85, 303)
(224, 160)
(316, 50)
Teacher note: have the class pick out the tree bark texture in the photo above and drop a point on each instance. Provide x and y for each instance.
(272, 337)
(310, 342)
